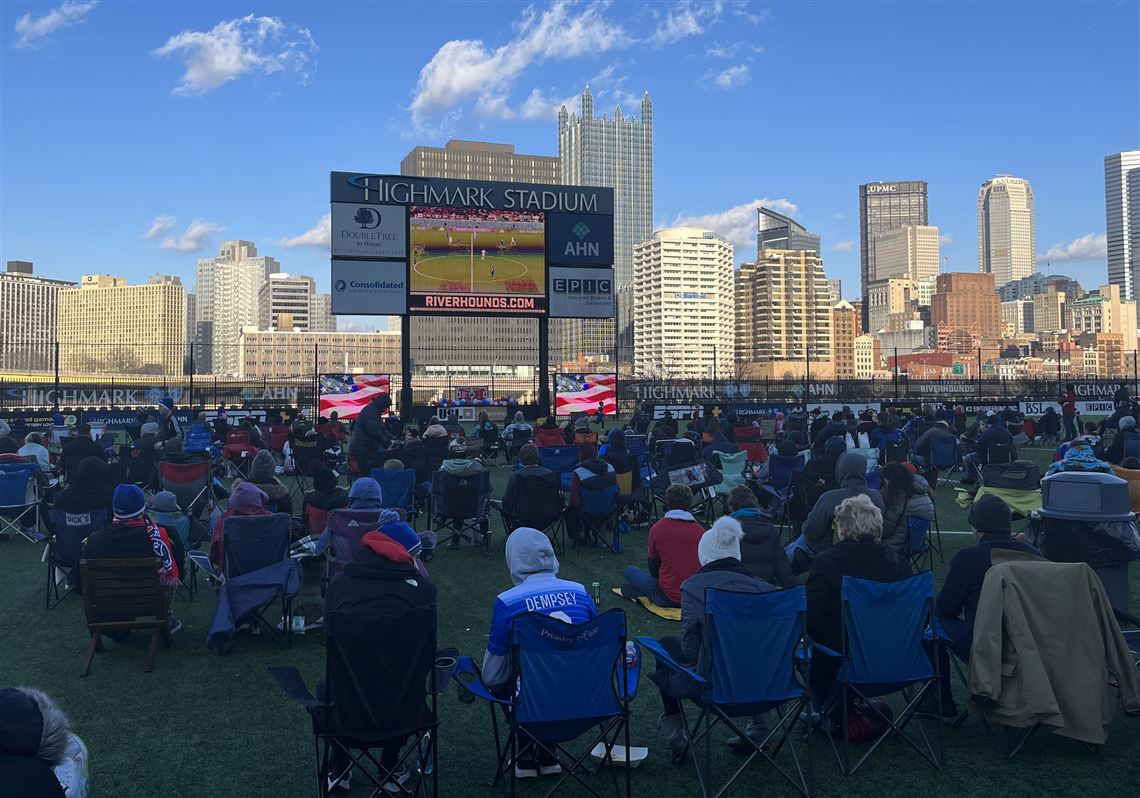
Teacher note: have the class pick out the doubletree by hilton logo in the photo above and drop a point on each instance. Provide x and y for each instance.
(367, 218)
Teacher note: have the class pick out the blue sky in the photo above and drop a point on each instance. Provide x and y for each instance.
(135, 136)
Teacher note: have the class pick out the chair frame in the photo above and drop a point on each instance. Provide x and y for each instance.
(53, 598)
(14, 524)
(136, 579)
(463, 528)
(284, 637)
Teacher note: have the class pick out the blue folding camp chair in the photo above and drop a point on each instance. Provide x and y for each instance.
(943, 459)
(346, 527)
(753, 639)
(779, 484)
(918, 548)
(571, 679)
(598, 515)
(883, 626)
(64, 546)
(460, 506)
(19, 500)
(562, 460)
(399, 491)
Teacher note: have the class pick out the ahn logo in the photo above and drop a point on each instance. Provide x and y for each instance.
(575, 285)
(581, 248)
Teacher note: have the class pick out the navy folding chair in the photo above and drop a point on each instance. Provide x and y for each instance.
(896, 451)
(346, 528)
(539, 505)
(460, 508)
(572, 678)
(19, 499)
(399, 490)
(753, 639)
(883, 626)
(943, 459)
(598, 515)
(64, 546)
(918, 543)
(255, 542)
(779, 484)
(562, 460)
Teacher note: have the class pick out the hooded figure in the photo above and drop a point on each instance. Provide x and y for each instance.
(537, 588)
(851, 476)
(326, 493)
(246, 499)
(365, 495)
(34, 736)
(262, 473)
(90, 489)
(382, 579)
(458, 463)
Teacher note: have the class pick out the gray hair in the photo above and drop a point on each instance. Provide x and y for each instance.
(858, 518)
(33, 437)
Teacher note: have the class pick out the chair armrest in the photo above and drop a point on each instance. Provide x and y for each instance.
(202, 560)
(289, 680)
(446, 661)
(474, 685)
(662, 656)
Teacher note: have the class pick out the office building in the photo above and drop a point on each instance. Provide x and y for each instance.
(835, 288)
(868, 354)
(460, 340)
(321, 318)
(907, 251)
(1050, 312)
(227, 291)
(1007, 235)
(683, 320)
(1105, 312)
(887, 298)
(843, 335)
(1016, 317)
(1121, 209)
(965, 312)
(108, 326)
(290, 295)
(282, 354)
(1038, 283)
(28, 306)
(913, 338)
(776, 231)
(616, 152)
(883, 207)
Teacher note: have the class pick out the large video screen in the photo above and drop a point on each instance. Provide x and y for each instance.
(347, 394)
(470, 260)
(581, 393)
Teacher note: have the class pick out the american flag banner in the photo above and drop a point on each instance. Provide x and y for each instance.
(580, 393)
(347, 394)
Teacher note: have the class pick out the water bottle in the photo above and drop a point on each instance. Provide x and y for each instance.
(596, 589)
(631, 659)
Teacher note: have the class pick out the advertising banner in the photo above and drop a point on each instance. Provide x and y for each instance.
(369, 231)
(369, 288)
(472, 393)
(575, 239)
(581, 293)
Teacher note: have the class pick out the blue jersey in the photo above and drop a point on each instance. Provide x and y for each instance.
(543, 593)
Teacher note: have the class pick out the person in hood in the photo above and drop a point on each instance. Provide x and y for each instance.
(34, 738)
(519, 423)
(370, 435)
(760, 548)
(8, 444)
(718, 442)
(851, 476)
(1115, 452)
(262, 473)
(326, 493)
(537, 588)
(905, 495)
(458, 463)
(365, 494)
(434, 429)
(672, 552)
(718, 552)
(89, 491)
(939, 433)
(381, 580)
(821, 467)
(246, 499)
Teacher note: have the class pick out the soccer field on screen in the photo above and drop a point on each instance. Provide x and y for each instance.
(479, 256)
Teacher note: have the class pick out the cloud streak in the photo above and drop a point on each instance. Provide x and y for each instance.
(842, 246)
(160, 226)
(1089, 247)
(193, 239)
(736, 224)
(32, 28)
(318, 236)
(733, 77)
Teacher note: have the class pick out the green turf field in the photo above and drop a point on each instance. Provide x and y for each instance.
(204, 724)
(489, 265)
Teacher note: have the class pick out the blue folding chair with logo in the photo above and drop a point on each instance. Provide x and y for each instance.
(398, 487)
(572, 678)
(752, 641)
(562, 460)
(64, 547)
(20, 500)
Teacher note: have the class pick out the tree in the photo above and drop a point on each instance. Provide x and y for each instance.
(365, 217)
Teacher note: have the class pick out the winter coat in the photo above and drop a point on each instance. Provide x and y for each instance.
(382, 579)
(247, 499)
(851, 475)
(913, 502)
(369, 434)
(462, 467)
(761, 550)
(862, 559)
(90, 490)
(726, 574)
(33, 740)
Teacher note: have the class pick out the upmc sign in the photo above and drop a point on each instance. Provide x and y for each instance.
(879, 188)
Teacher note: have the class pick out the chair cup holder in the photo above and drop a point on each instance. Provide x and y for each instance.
(465, 695)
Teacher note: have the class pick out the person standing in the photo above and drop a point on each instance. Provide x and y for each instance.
(1068, 402)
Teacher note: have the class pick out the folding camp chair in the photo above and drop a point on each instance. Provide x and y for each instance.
(675, 452)
(597, 513)
(882, 631)
(1131, 443)
(278, 435)
(753, 639)
(375, 694)
(544, 437)
(918, 544)
(461, 506)
(562, 460)
(19, 498)
(637, 445)
(779, 484)
(190, 483)
(138, 465)
(571, 679)
(755, 452)
(539, 504)
(123, 595)
(943, 459)
(64, 547)
(346, 528)
(238, 451)
(520, 437)
(896, 451)
(731, 468)
(399, 490)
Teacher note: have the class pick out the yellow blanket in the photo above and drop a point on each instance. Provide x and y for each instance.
(668, 613)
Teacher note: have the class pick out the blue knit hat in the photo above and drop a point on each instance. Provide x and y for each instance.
(128, 501)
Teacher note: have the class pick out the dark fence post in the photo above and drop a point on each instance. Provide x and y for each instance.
(55, 393)
(979, 372)
(190, 393)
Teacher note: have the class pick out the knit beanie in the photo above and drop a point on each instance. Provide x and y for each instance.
(164, 502)
(991, 516)
(263, 467)
(721, 540)
(128, 501)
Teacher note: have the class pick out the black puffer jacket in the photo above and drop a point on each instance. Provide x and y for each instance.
(760, 549)
(380, 580)
(33, 738)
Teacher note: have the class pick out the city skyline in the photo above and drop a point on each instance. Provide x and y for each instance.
(180, 153)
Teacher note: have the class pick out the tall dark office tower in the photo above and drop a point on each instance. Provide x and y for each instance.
(883, 207)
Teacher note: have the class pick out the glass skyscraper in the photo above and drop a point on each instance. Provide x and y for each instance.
(613, 152)
(1122, 210)
(883, 207)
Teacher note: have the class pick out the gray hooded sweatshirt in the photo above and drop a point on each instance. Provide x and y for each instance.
(851, 476)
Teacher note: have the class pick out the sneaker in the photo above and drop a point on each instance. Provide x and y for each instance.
(755, 734)
(526, 769)
(174, 626)
(400, 777)
(548, 764)
(340, 783)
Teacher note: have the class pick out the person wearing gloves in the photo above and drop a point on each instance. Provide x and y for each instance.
(719, 554)
(35, 740)
(534, 572)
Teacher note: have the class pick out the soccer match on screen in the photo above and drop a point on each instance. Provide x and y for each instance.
(472, 251)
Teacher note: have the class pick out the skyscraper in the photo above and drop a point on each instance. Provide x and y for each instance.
(459, 342)
(1122, 211)
(907, 251)
(227, 292)
(882, 207)
(28, 318)
(966, 312)
(288, 295)
(1007, 235)
(616, 153)
(683, 319)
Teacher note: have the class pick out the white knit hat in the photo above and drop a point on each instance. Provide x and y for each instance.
(721, 540)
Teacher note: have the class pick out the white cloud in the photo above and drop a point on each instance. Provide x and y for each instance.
(193, 239)
(1090, 247)
(685, 19)
(733, 77)
(840, 215)
(737, 224)
(724, 51)
(743, 10)
(235, 47)
(843, 246)
(160, 226)
(318, 236)
(945, 239)
(31, 29)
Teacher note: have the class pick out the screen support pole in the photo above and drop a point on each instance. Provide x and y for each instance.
(406, 366)
(543, 366)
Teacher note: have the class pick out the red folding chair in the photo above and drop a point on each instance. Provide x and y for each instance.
(548, 437)
(238, 450)
(278, 435)
(756, 452)
(316, 519)
(189, 482)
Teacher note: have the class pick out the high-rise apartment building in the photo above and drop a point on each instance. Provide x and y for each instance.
(614, 152)
(835, 288)
(108, 326)
(683, 320)
(1017, 317)
(883, 207)
(907, 251)
(227, 290)
(277, 354)
(1038, 283)
(843, 335)
(288, 295)
(1105, 312)
(776, 231)
(28, 306)
(459, 341)
(965, 312)
(1050, 311)
(1007, 234)
(1121, 211)
(321, 318)
(783, 310)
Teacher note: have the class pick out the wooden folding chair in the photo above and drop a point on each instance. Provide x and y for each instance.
(123, 595)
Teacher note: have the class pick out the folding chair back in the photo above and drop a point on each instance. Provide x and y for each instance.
(624, 483)
(278, 434)
(918, 543)
(754, 451)
(189, 482)
(872, 456)
(539, 502)
(177, 522)
(307, 449)
(559, 459)
(943, 453)
(731, 470)
(1131, 443)
(346, 528)
(883, 625)
(896, 451)
(199, 438)
(780, 470)
(520, 436)
(745, 433)
(122, 595)
(460, 498)
(544, 438)
(68, 531)
(435, 449)
(583, 436)
(767, 428)
(139, 464)
(1000, 453)
(316, 519)
(598, 502)
(397, 488)
(253, 542)
(17, 485)
(635, 444)
(681, 451)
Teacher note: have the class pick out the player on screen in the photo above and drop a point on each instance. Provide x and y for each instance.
(492, 272)
(482, 254)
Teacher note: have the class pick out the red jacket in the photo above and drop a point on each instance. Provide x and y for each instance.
(1068, 402)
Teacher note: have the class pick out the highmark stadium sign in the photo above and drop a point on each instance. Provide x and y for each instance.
(427, 246)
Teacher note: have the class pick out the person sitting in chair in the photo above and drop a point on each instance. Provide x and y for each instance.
(519, 423)
(531, 473)
(821, 467)
(1115, 452)
(672, 552)
(255, 438)
(905, 495)
(246, 499)
(760, 548)
(262, 473)
(326, 493)
(89, 490)
(79, 449)
(939, 432)
(851, 474)
(534, 573)
(382, 579)
(618, 456)
(993, 434)
(365, 494)
(719, 442)
(458, 463)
